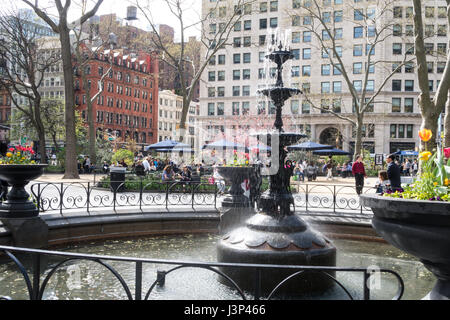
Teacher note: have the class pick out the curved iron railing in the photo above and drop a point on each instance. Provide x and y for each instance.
(71, 196)
(313, 200)
(36, 288)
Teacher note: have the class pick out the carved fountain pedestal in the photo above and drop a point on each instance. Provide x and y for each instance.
(276, 235)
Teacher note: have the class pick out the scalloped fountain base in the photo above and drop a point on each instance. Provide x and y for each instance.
(289, 241)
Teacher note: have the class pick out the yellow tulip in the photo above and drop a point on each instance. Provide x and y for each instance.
(425, 135)
(425, 155)
(9, 154)
(446, 182)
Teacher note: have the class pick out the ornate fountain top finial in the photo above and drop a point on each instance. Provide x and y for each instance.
(280, 46)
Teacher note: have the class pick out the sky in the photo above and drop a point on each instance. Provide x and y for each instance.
(158, 10)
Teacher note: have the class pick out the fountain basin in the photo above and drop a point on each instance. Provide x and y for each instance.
(285, 241)
(279, 94)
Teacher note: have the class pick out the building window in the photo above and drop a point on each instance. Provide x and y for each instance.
(306, 107)
(211, 76)
(220, 108)
(247, 57)
(396, 85)
(337, 86)
(396, 105)
(325, 70)
(325, 87)
(357, 50)
(357, 68)
(211, 109)
(262, 24)
(306, 71)
(358, 32)
(396, 48)
(370, 85)
(273, 22)
(236, 91)
(306, 36)
(235, 108)
(306, 53)
(398, 12)
(409, 105)
(295, 106)
(246, 91)
(409, 85)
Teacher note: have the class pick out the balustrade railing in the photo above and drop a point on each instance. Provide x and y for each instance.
(38, 274)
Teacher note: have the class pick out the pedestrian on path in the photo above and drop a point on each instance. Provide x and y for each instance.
(359, 172)
(394, 173)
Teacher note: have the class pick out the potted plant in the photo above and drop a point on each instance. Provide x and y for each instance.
(416, 219)
(17, 169)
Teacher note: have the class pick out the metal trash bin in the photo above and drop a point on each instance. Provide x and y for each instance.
(117, 178)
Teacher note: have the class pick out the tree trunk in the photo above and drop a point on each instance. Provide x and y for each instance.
(358, 138)
(42, 144)
(430, 122)
(91, 131)
(71, 170)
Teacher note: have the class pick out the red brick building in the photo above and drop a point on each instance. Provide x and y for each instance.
(128, 106)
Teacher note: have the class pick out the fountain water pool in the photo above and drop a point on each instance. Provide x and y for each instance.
(197, 284)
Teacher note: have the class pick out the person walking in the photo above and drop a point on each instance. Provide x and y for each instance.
(394, 173)
(407, 167)
(330, 165)
(359, 172)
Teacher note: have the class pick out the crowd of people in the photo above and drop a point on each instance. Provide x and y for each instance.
(302, 170)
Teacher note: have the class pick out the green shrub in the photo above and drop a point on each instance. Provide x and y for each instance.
(123, 154)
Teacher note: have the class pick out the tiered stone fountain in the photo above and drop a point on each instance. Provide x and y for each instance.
(276, 235)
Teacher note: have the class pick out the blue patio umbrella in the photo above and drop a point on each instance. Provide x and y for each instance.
(261, 148)
(176, 149)
(167, 144)
(224, 144)
(308, 146)
(407, 153)
(331, 152)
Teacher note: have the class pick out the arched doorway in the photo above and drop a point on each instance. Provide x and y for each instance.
(331, 136)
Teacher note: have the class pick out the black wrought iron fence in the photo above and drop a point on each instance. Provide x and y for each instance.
(37, 276)
(310, 199)
(67, 196)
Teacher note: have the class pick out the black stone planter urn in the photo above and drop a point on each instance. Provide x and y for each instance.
(420, 228)
(235, 176)
(18, 204)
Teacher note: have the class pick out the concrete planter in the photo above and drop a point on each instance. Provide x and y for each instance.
(18, 204)
(420, 228)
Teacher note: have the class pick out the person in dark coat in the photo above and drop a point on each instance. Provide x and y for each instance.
(394, 172)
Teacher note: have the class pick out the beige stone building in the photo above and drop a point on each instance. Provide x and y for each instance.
(228, 93)
(170, 108)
